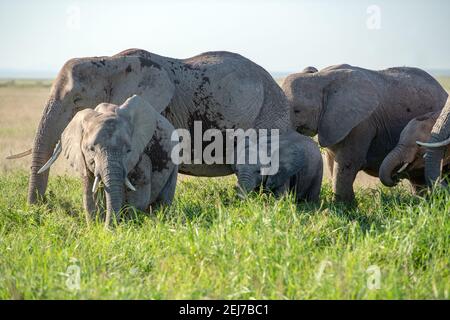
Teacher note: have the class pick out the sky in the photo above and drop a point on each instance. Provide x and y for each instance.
(37, 37)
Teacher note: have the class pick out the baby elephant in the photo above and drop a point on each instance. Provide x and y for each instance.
(406, 160)
(121, 145)
(300, 169)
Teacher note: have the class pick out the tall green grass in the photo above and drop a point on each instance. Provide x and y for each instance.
(210, 244)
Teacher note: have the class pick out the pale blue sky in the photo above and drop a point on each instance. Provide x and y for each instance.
(38, 36)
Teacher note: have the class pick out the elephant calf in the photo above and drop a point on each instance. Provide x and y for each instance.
(406, 160)
(300, 169)
(121, 145)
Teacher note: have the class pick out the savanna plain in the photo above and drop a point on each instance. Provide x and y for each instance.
(210, 244)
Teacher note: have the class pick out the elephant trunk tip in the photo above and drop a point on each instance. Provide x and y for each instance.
(391, 167)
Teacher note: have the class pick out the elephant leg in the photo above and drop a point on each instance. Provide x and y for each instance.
(350, 157)
(168, 192)
(297, 186)
(314, 192)
(90, 206)
(307, 186)
(278, 192)
(316, 186)
(140, 199)
(343, 177)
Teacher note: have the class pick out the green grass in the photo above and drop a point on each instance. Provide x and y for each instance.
(211, 245)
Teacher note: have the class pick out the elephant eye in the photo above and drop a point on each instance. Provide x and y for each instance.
(91, 148)
(129, 150)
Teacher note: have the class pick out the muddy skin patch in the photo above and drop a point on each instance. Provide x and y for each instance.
(209, 121)
(137, 175)
(158, 155)
(167, 113)
(148, 63)
(99, 64)
(108, 92)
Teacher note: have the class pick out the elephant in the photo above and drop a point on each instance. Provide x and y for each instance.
(122, 145)
(406, 159)
(220, 90)
(437, 145)
(299, 169)
(359, 114)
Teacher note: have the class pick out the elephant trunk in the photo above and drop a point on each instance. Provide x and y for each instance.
(436, 146)
(49, 131)
(392, 161)
(433, 160)
(113, 179)
(246, 183)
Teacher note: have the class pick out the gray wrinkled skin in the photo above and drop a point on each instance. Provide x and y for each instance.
(113, 142)
(408, 152)
(359, 114)
(300, 170)
(435, 155)
(220, 89)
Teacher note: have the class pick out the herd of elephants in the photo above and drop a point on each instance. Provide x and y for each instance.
(112, 118)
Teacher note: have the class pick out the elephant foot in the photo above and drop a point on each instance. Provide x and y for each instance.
(348, 200)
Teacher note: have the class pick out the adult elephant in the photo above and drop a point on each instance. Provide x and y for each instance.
(359, 114)
(437, 146)
(221, 89)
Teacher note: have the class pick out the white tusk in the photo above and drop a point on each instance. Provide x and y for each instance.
(129, 185)
(403, 167)
(424, 155)
(434, 144)
(50, 161)
(96, 184)
(19, 155)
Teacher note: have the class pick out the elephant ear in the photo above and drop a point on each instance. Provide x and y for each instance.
(290, 160)
(349, 102)
(148, 79)
(143, 118)
(72, 137)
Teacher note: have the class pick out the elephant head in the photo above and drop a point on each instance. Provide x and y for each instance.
(106, 143)
(84, 83)
(310, 69)
(407, 156)
(437, 144)
(321, 102)
(284, 162)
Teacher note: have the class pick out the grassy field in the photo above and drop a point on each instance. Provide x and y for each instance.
(210, 244)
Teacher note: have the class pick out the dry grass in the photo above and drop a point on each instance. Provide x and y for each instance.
(21, 105)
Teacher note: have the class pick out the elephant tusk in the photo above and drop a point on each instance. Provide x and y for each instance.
(19, 155)
(50, 161)
(434, 144)
(424, 155)
(96, 184)
(129, 185)
(403, 167)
